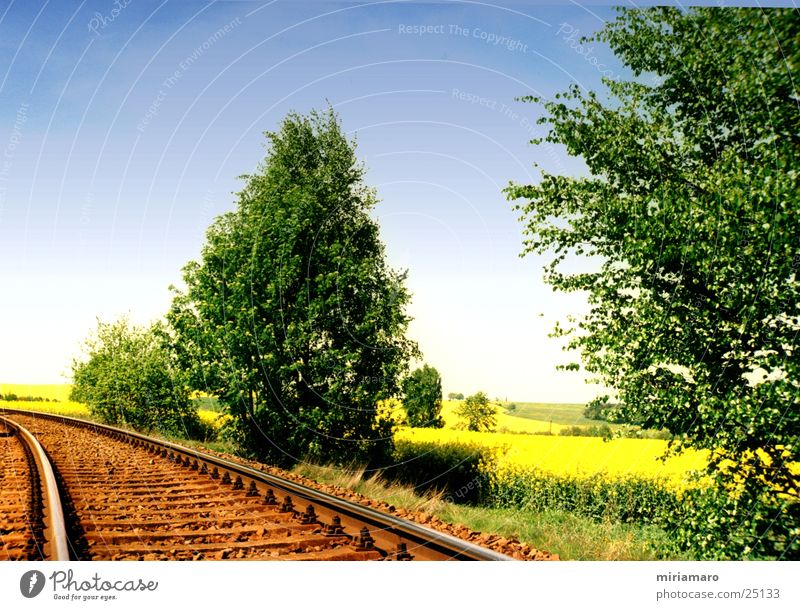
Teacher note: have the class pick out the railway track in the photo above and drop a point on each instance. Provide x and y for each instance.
(31, 520)
(129, 496)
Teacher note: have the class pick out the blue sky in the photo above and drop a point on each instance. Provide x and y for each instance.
(124, 128)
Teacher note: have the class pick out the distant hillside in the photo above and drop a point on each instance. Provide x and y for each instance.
(569, 414)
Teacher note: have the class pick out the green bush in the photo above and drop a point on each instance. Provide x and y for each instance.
(718, 525)
(459, 470)
(129, 377)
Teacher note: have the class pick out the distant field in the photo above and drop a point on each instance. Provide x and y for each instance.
(57, 391)
(529, 417)
(567, 414)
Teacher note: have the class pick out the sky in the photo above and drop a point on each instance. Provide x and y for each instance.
(125, 125)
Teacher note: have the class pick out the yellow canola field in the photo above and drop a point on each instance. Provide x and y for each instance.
(55, 391)
(572, 455)
(66, 408)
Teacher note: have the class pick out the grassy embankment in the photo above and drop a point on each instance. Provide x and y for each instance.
(571, 536)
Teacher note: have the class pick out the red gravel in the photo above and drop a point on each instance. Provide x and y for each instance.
(20, 530)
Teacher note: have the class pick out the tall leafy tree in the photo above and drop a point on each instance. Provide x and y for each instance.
(478, 413)
(292, 315)
(692, 207)
(422, 398)
(128, 375)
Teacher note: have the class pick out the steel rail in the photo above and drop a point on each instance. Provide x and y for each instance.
(55, 532)
(395, 538)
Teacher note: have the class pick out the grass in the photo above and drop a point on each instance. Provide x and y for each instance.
(570, 536)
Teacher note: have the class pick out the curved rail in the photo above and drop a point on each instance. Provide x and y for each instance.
(395, 538)
(55, 533)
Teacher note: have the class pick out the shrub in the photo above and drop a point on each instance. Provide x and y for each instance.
(718, 523)
(459, 470)
(129, 377)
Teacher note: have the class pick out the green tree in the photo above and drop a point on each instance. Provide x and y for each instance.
(422, 398)
(478, 413)
(292, 316)
(455, 396)
(691, 207)
(129, 376)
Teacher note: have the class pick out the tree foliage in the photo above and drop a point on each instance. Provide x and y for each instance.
(422, 398)
(455, 396)
(691, 206)
(292, 316)
(129, 376)
(478, 413)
